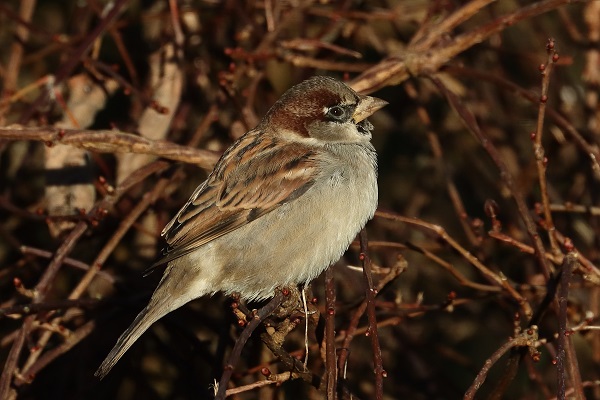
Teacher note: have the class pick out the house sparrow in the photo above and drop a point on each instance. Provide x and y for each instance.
(281, 205)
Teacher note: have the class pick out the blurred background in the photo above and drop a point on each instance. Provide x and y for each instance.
(112, 112)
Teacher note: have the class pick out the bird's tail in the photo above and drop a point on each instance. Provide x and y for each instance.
(161, 304)
(142, 322)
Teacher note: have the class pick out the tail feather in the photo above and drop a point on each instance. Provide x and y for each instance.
(141, 323)
(174, 290)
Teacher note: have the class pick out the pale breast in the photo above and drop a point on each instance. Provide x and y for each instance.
(297, 241)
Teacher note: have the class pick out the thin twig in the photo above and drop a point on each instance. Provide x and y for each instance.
(110, 141)
(68, 261)
(17, 48)
(148, 199)
(352, 330)
(399, 67)
(488, 273)
(566, 364)
(373, 332)
(541, 160)
(527, 338)
(430, 34)
(260, 315)
(453, 270)
(436, 150)
(50, 355)
(50, 273)
(76, 57)
(330, 349)
(471, 123)
(34, 308)
(592, 151)
(41, 289)
(252, 386)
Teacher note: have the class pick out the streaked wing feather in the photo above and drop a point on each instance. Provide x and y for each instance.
(240, 190)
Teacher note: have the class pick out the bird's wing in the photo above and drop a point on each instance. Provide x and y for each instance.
(255, 176)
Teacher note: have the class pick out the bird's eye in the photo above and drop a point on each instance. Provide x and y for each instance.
(337, 113)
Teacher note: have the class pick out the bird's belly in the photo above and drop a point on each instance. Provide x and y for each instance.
(296, 242)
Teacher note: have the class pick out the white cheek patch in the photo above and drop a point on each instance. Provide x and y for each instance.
(350, 133)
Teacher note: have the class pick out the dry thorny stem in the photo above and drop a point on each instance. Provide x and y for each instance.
(255, 319)
(93, 106)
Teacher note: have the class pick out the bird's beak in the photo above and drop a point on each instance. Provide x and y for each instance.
(366, 107)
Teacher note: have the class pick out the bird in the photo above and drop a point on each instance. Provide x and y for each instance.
(281, 205)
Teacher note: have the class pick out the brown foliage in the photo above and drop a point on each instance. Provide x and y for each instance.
(481, 269)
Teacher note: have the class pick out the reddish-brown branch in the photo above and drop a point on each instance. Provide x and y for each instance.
(331, 374)
(526, 339)
(566, 362)
(471, 123)
(67, 261)
(109, 141)
(72, 339)
(373, 332)
(260, 316)
(487, 273)
(76, 57)
(34, 308)
(353, 330)
(40, 293)
(591, 151)
(397, 68)
(17, 48)
(541, 160)
(436, 150)
(50, 272)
